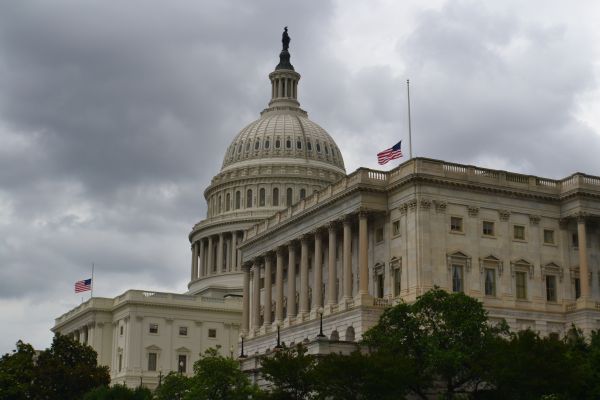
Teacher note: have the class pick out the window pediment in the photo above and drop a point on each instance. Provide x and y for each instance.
(491, 261)
(552, 269)
(458, 257)
(521, 265)
(183, 349)
(153, 348)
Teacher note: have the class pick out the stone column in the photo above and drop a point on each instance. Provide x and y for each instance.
(194, 261)
(233, 250)
(584, 276)
(256, 296)
(268, 289)
(363, 257)
(304, 309)
(331, 264)
(220, 254)
(246, 299)
(202, 265)
(291, 293)
(318, 272)
(279, 286)
(347, 259)
(210, 258)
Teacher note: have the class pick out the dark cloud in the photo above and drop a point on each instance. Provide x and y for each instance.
(114, 116)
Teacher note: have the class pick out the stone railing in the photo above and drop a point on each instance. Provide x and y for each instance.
(431, 168)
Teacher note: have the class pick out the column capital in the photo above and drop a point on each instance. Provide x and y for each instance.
(333, 225)
(304, 239)
(348, 219)
(269, 255)
(363, 213)
(280, 250)
(581, 217)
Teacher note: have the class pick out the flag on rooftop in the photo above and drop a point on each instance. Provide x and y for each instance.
(389, 154)
(83, 286)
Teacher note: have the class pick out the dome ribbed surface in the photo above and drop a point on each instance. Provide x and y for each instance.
(283, 135)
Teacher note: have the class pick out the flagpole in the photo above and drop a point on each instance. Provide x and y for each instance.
(409, 122)
(92, 290)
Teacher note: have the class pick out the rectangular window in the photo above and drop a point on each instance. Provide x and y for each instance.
(379, 235)
(490, 282)
(550, 288)
(521, 285)
(181, 363)
(380, 285)
(397, 281)
(488, 228)
(575, 240)
(519, 232)
(120, 362)
(396, 228)
(121, 330)
(183, 331)
(456, 224)
(577, 288)
(153, 328)
(151, 361)
(548, 236)
(212, 333)
(457, 278)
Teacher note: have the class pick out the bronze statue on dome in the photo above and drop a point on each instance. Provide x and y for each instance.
(285, 39)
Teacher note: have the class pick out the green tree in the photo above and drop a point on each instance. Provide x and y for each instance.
(174, 386)
(360, 377)
(442, 339)
(67, 370)
(17, 373)
(118, 392)
(291, 373)
(219, 378)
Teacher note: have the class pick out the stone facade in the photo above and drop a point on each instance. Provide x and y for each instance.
(527, 247)
(143, 336)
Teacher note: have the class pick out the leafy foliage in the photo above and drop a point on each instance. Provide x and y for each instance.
(219, 378)
(174, 386)
(17, 373)
(118, 392)
(291, 372)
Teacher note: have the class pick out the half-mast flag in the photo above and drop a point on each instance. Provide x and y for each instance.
(390, 154)
(83, 286)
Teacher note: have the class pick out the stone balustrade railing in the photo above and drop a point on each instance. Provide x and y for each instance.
(431, 168)
(137, 296)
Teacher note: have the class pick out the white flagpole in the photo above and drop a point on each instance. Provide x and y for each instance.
(92, 291)
(409, 122)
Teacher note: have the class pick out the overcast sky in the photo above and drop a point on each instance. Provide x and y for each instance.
(114, 116)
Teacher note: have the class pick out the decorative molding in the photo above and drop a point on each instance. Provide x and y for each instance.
(504, 215)
(403, 208)
(491, 259)
(552, 269)
(521, 265)
(440, 206)
(412, 205)
(534, 219)
(425, 204)
(473, 211)
(458, 257)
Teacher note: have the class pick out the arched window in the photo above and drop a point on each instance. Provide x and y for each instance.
(267, 144)
(277, 143)
(299, 144)
(309, 145)
(256, 145)
(261, 197)
(247, 146)
(289, 197)
(237, 200)
(227, 202)
(302, 193)
(275, 200)
(219, 204)
(249, 198)
(288, 144)
(319, 147)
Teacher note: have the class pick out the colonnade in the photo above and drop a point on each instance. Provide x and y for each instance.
(311, 245)
(216, 254)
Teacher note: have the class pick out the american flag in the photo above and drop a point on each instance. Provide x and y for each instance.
(389, 154)
(84, 285)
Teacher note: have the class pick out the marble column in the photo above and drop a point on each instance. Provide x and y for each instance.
(220, 253)
(584, 271)
(279, 285)
(268, 289)
(318, 272)
(246, 299)
(194, 261)
(202, 265)
(291, 276)
(233, 251)
(210, 258)
(304, 308)
(363, 256)
(347, 259)
(331, 264)
(256, 296)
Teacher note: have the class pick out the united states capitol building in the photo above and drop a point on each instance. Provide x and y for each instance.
(291, 239)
